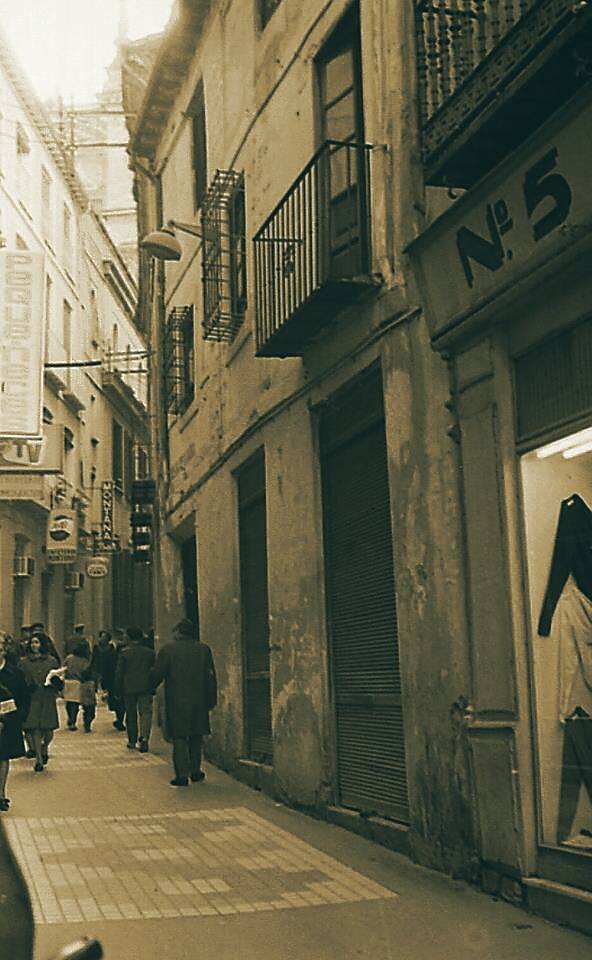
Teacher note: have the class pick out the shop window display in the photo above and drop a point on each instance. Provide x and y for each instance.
(557, 491)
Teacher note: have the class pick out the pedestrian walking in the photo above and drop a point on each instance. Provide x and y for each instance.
(187, 667)
(99, 661)
(39, 627)
(42, 717)
(133, 684)
(77, 665)
(88, 698)
(114, 702)
(76, 639)
(14, 706)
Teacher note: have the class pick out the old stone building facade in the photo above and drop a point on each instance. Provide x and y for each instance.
(333, 429)
(93, 396)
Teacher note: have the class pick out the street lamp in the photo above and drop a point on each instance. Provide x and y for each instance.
(163, 243)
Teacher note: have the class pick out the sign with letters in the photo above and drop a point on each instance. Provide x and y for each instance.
(62, 536)
(97, 568)
(107, 539)
(22, 344)
(533, 205)
(16, 456)
(23, 486)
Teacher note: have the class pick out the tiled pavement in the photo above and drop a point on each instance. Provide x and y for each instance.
(216, 871)
(103, 842)
(166, 865)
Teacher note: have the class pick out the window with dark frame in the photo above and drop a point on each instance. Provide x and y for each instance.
(68, 439)
(179, 360)
(197, 114)
(128, 463)
(23, 150)
(224, 256)
(117, 455)
(266, 10)
(46, 223)
(238, 251)
(342, 128)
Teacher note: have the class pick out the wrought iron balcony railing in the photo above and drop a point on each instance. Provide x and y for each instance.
(312, 253)
(470, 53)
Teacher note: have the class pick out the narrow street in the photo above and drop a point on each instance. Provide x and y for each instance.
(217, 870)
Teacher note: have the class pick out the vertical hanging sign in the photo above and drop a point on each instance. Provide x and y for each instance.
(22, 344)
(107, 514)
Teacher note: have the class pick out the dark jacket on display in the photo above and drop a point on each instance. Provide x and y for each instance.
(572, 554)
(187, 667)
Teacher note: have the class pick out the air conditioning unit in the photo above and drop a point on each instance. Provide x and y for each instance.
(24, 566)
(74, 580)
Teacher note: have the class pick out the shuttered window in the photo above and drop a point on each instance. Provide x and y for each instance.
(364, 655)
(255, 609)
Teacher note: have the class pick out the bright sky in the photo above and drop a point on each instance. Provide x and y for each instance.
(64, 46)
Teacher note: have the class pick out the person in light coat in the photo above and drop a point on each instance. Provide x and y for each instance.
(190, 688)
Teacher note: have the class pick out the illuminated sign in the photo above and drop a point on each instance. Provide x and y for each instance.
(62, 536)
(22, 336)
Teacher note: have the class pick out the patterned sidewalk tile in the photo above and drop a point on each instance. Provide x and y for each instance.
(192, 863)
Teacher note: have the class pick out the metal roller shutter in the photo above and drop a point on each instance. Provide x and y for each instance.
(255, 622)
(371, 771)
(554, 383)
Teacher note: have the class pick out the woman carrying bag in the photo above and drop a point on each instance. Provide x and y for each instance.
(42, 718)
(14, 705)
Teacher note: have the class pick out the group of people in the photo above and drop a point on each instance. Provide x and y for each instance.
(126, 670)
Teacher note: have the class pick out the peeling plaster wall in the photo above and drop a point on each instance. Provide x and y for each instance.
(297, 630)
(243, 402)
(430, 598)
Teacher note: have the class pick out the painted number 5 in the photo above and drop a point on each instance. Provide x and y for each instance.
(540, 183)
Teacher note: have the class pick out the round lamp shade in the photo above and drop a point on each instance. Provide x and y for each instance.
(162, 244)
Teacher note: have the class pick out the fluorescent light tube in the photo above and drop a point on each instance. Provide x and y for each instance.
(566, 443)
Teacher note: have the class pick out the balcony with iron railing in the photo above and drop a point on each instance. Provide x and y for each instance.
(490, 72)
(312, 254)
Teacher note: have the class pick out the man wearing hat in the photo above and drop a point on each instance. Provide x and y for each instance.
(187, 667)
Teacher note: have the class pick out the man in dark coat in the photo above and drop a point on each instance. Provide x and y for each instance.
(187, 667)
(133, 684)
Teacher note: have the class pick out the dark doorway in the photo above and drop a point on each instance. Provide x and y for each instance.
(189, 564)
(361, 605)
(255, 611)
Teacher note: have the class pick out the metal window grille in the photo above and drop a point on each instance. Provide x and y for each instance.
(224, 256)
(179, 360)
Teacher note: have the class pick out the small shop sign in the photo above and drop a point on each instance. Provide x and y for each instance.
(97, 568)
(62, 536)
(22, 344)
